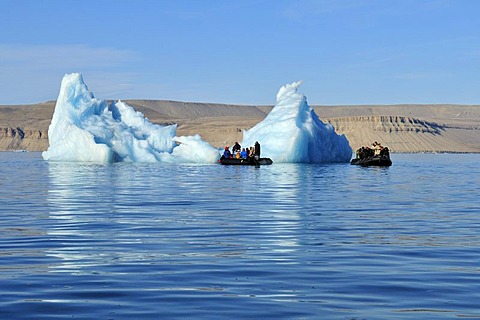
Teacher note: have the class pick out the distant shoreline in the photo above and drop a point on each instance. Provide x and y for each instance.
(404, 128)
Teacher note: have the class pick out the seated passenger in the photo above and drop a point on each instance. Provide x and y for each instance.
(251, 152)
(244, 154)
(384, 152)
(237, 154)
(368, 152)
(359, 153)
(226, 153)
(376, 148)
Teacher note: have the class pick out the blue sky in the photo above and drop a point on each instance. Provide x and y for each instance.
(242, 52)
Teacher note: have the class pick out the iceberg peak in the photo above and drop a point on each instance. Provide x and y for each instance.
(288, 88)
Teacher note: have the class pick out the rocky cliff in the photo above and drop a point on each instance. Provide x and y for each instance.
(407, 134)
(23, 139)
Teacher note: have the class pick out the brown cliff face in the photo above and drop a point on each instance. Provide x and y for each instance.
(386, 124)
(23, 139)
(407, 134)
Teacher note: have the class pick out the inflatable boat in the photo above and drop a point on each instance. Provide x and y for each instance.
(245, 162)
(382, 161)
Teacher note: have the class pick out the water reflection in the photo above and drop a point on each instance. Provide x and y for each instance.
(116, 213)
(23, 215)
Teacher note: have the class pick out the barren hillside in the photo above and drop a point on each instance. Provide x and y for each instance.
(404, 128)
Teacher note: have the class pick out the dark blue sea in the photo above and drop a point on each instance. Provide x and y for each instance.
(286, 241)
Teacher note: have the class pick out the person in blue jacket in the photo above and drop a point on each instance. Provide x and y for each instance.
(243, 154)
(226, 153)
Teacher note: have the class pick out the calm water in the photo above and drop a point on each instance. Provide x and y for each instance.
(292, 241)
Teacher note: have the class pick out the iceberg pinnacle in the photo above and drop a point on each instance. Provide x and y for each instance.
(292, 132)
(69, 138)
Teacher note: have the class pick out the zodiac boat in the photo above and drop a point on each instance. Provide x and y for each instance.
(245, 162)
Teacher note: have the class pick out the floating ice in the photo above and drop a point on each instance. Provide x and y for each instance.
(84, 128)
(87, 129)
(292, 132)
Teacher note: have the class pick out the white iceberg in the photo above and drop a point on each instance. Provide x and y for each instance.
(292, 132)
(87, 129)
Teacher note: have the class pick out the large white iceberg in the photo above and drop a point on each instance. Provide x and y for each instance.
(292, 132)
(87, 129)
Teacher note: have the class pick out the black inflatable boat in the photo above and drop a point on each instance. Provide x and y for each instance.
(245, 162)
(382, 161)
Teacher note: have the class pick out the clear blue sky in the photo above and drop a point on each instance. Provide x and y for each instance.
(242, 52)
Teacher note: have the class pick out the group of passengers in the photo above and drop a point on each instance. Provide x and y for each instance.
(242, 153)
(375, 150)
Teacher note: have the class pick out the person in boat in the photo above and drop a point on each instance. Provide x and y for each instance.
(359, 153)
(364, 152)
(369, 152)
(244, 154)
(226, 153)
(237, 154)
(257, 150)
(376, 150)
(380, 150)
(377, 147)
(384, 152)
(251, 152)
(236, 147)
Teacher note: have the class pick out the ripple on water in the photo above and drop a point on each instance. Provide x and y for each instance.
(129, 241)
